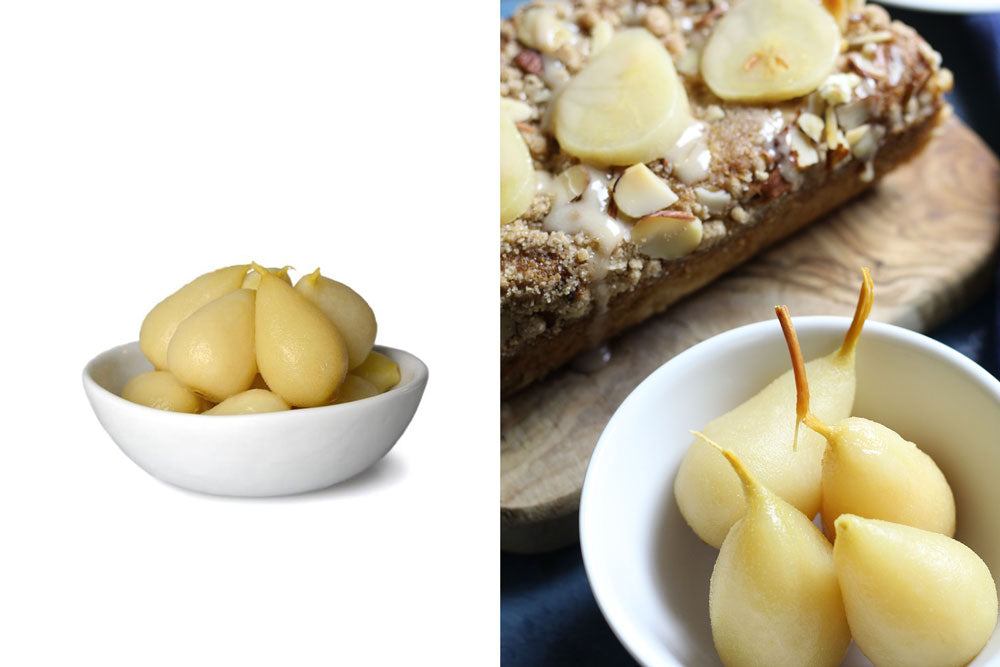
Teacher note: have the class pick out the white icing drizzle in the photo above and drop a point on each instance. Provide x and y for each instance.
(690, 156)
(588, 214)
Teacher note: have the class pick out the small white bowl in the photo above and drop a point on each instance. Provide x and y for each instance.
(647, 569)
(268, 454)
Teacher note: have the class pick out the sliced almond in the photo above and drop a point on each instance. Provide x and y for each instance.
(866, 67)
(516, 110)
(862, 141)
(853, 114)
(574, 180)
(837, 88)
(831, 129)
(876, 37)
(667, 234)
(803, 151)
(540, 28)
(714, 112)
(812, 125)
(639, 191)
(716, 201)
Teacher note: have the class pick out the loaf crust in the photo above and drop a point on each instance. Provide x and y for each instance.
(554, 305)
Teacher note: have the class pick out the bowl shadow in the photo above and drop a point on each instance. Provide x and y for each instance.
(387, 471)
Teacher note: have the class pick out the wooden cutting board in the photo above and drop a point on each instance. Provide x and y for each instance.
(928, 232)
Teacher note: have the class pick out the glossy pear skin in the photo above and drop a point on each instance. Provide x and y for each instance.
(871, 471)
(161, 390)
(760, 433)
(914, 598)
(347, 309)
(774, 597)
(251, 401)
(380, 370)
(300, 352)
(212, 351)
(354, 388)
(161, 322)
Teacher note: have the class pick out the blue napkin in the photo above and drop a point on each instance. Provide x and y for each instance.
(548, 616)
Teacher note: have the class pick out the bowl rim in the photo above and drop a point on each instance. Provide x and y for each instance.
(398, 355)
(636, 641)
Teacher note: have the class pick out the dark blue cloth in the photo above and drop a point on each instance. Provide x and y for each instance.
(548, 615)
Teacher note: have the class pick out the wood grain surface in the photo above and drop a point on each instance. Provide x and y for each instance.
(928, 232)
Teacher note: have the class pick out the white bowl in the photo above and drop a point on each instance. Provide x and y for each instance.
(269, 454)
(647, 569)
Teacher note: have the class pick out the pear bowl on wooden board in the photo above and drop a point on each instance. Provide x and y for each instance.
(649, 571)
(253, 455)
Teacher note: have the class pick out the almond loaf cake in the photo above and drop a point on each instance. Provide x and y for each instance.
(649, 147)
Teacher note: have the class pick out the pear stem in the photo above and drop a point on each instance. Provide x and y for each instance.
(798, 369)
(261, 271)
(816, 424)
(313, 277)
(861, 312)
(750, 485)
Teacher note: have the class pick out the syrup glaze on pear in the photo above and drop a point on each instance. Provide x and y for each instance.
(914, 598)
(762, 433)
(868, 469)
(773, 597)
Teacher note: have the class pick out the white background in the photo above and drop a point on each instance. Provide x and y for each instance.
(142, 144)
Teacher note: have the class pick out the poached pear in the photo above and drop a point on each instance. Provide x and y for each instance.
(913, 597)
(347, 309)
(159, 325)
(868, 469)
(212, 351)
(161, 390)
(763, 435)
(380, 370)
(251, 401)
(300, 352)
(773, 596)
(354, 388)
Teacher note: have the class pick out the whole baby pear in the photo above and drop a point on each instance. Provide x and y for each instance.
(347, 309)
(773, 595)
(868, 469)
(380, 370)
(251, 401)
(914, 598)
(212, 351)
(161, 390)
(162, 321)
(301, 353)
